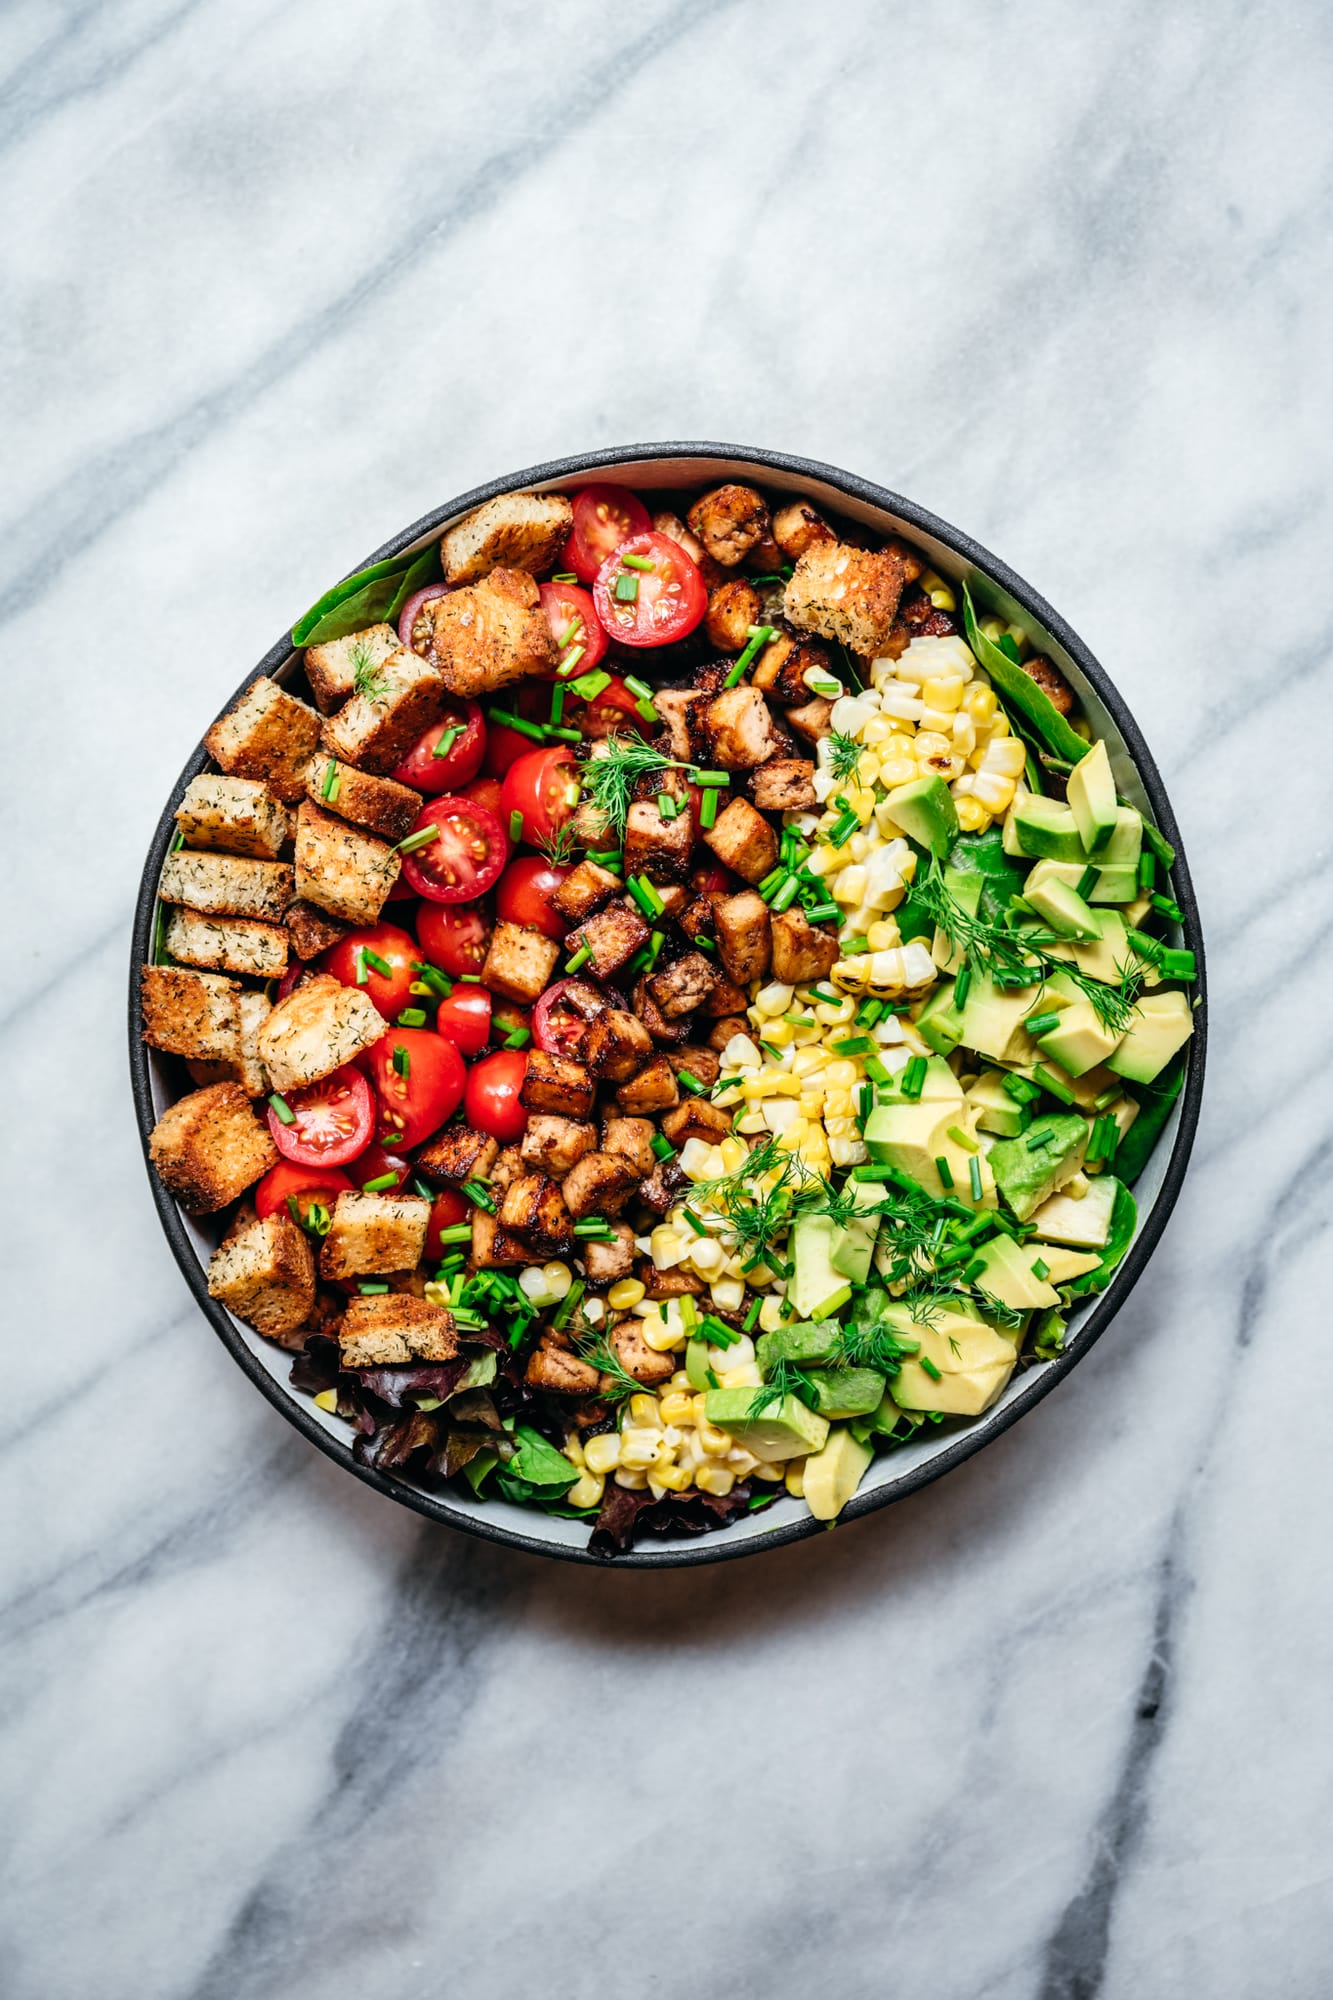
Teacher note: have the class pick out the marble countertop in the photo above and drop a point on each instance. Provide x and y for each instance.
(276, 279)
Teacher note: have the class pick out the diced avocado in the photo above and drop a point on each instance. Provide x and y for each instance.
(846, 1392)
(1009, 843)
(696, 1365)
(1161, 1024)
(884, 1422)
(809, 1343)
(816, 1287)
(965, 886)
(1092, 800)
(1063, 908)
(832, 1475)
(925, 812)
(940, 1085)
(783, 1429)
(1125, 841)
(996, 1111)
(915, 1137)
(1115, 883)
(971, 1364)
(1079, 1040)
(1106, 957)
(1063, 1265)
(1007, 1275)
(854, 1243)
(1046, 829)
(940, 1023)
(1086, 1224)
(1027, 1171)
(993, 1021)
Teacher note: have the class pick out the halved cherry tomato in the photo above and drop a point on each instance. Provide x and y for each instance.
(612, 708)
(523, 894)
(448, 1207)
(543, 788)
(355, 955)
(604, 517)
(453, 937)
(532, 701)
(418, 1078)
(670, 598)
(288, 1182)
(332, 1120)
(466, 856)
(415, 631)
(561, 1017)
(567, 606)
(375, 1163)
(712, 879)
(465, 1019)
(488, 791)
(425, 769)
(491, 1102)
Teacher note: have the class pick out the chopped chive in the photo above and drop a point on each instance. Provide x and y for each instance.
(769, 1050)
(914, 1077)
(699, 1228)
(362, 974)
(432, 979)
(1147, 871)
(607, 857)
(647, 711)
(1177, 964)
(760, 636)
(448, 738)
(974, 1176)
(517, 1038)
(974, 1270)
(571, 631)
(716, 779)
(1087, 881)
(1055, 1084)
(479, 1196)
(826, 994)
(877, 1070)
(865, 1103)
(580, 958)
(564, 576)
(663, 1147)
(689, 1082)
(566, 667)
(855, 1045)
(638, 687)
(868, 1013)
(557, 703)
(329, 788)
(1038, 1137)
(1019, 1089)
(588, 686)
(1160, 846)
(1041, 1024)
(963, 1139)
(771, 881)
(376, 963)
(411, 1017)
(371, 1288)
(424, 1193)
(751, 1320)
(286, 1115)
(1147, 947)
(565, 1310)
(929, 1366)
(402, 1061)
(516, 825)
(593, 1225)
(645, 895)
(785, 896)
(1168, 909)
(535, 730)
(456, 1232)
(822, 913)
(854, 946)
(1106, 1099)
(379, 1184)
(627, 589)
(943, 1170)
(1040, 1268)
(638, 562)
(423, 837)
(667, 806)
(962, 986)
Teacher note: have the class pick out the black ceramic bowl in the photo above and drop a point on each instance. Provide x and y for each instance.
(686, 468)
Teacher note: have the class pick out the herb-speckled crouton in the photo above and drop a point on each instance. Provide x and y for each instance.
(312, 931)
(653, 1089)
(235, 815)
(605, 1263)
(227, 885)
(846, 593)
(246, 1067)
(457, 1154)
(490, 633)
(380, 723)
(552, 1145)
(612, 935)
(391, 1328)
(684, 985)
(191, 1013)
(801, 950)
(381, 805)
(226, 944)
(637, 1358)
(374, 1232)
(210, 1147)
(739, 729)
(319, 1026)
(744, 841)
(267, 734)
(555, 1084)
(584, 890)
(333, 669)
(617, 1045)
(744, 935)
(519, 962)
(730, 521)
(784, 784)
(598, 1185)
(517, 531)
(264, 1272)
(339, 868)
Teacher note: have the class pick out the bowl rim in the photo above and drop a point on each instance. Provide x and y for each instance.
(710, 1547)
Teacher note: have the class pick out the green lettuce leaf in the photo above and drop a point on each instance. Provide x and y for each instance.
(1124, 1220)
(371, 597)
(1155, 1101)
(1020, 692)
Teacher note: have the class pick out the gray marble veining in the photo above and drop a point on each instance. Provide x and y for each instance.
(277, 278)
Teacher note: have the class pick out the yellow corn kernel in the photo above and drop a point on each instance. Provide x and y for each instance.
(806, 1061)
(938, 591)
(673, 1478)
(677, 1407)
(839, 1074)
(662, 1334)
(946, 764)
(1000, 724)
(980, 703)
(963, 735)
(742, 1462)
(712, 1441)
(586, 1491)
(639, 1448)
(733, 1155)
(765, 1470)
(602, 1454)
(679, 1385)
(929, 744)
(868, 769)
(795, 1478)
(1005, 756)
(624, 1293)
(644, 1410)
(772, 1000)
(714, 1479)
(861, 801)
(811, 1103)
(573, 1449)
(327, 1399)
(770, 1313)
(558, 1278)
(777, 1033)
(834, 1014)
(972, 815)
(635, 1482)
(996, 794)
(943, 691)
(878, 729)
(883, 935)
(700, 1409)
(896, 771)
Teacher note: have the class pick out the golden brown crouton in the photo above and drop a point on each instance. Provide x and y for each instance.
(555, 1084)
(598, 1185)
(784, 784)
(490, 633)
(193, 1014)
(637, 1358)
(744, 935)
(312, 931)
(519, 962)
(584, 889)
(656, 847)
(811, 718)
(801, 950)
(519, 530)
(245, 1067)
(335, 669)
(617, 1044)
(339, 868)
(739, 729)
(267, 734)
(552, 1145)
(743, 839)
(457, 1154)
(377, 727)
(560, 1373)
(391, 1328)
(319, 1026)
(606, 1262)
(210, 1147)
(374, 1232)
(612, 935)
(730, 521)
(235, 815)
(693, 1060)
(226, 944)
(696, 1118)
(533, 1208)
(1050, 680)
(227, 885)
(732, 609)
(653, 1089)
(846, 593)
(381, 805)
(264, 1272)
(684, 985)
(632, 1138)
(797, 527)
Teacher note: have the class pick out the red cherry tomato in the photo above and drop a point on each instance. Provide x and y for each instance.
(532, 701)
(464, 859)
(523, 894)
(543, 788)
(604, 517)
(447, 1208)
(453, 937)
(332, 1120)
(418, 1078)
(614, 708)
(566, 605)
(491, 1101)
(415, 631)
(487, 792)
(670, 600)
(288, 1182)
(561, 1017)
(356, 953)
(375, 1163)
(465, 1019)
(428, 770)
(711, 879)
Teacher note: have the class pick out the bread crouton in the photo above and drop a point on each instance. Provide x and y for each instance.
(797, 527)
(374, 1232)
(392, 1328)
(784, 784)
(584, 889)
(732, 609)
(1050, 680)
(559, 1372)
(656, 847)
(612, 936)
(235, 815)
(633, 1139)
(312, 931)
(518, 530)
(659, 1026)
(684, 985)
(533, 1207)
(846, 594)
(730, 521)
(801, 950)
(653, 1089)
(519, 962)
(209, 1147)
(598, 1184)
(696, 1118)
(267, 734)
(457, 1154)
(605, 1262)
(744, 841)
(636, 1357)
(381, 805)
(339, 868)
(244, 1068)
(194, 1014)
(227, 885)
(491, 1247)
(490, 633)
(377, 727)
(557, 1085)
(744, 935)
(617, 1045)
(780, 670)
(692, 1059)
(552, 1145)
(335, 668)
(739, 729)
(812, 718)
(264, 1272)
(226, 944)
(319, 1026)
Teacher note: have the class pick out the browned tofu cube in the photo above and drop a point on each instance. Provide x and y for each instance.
(381, 805)
(779, 672)
(637, 1358)
(312, 931)
(457, 1154)
(724, 1029)
(519, 962)
(559, 1372)
(797, 527)
(653, 1089)
(264, 1272)
(662, 1188)
(507, 1167)
(267, 734)
(584, 890)
(617, 1045)
(677, 1284)
(744, 841)
(696, 919)
(555, 1084)
(335, 668)
(847, 594)
(680, 710)
(491, 1246)
(490, 633)
(656, 847)
(696, 1118)
(683, 986)
(522, 530)
(194, 1014)
(598, 1185)
(801, 950)
(234, 815)
(339, 868)
(391, 1328)
(700, 1063)
(733, 607)
(377, 727)
(784, 784)
(371, 1233)
(740, 730)
(226, 944)
(552, 1145)
(726, 998)
(730, 521)
(533, 1208)
(632, 1138)
(210, 1147)
(744, 935)
(606, 1263)
(811, 718)
(612, 935)
(659, 1026)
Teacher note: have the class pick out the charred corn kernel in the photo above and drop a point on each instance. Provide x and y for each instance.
(980, 703)
(929, 743)
(644, 1410)
(713, 1442)
(794, 1478)
(677, 1407)
(327, 1399)
(639, 1448)
(1005, 755)
(773, 999)
(972, 815)
(573, 1449)
(586, 1491)
(770, 1313)
(995, 793)
(943, 691)
(624, 1293)
(672, 1478)
(635, 1482)
(715, 1479)
(946, 764)
(602, 1454)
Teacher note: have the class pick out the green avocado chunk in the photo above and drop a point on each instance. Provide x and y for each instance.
(1079, 1040)
(997, 1111)
(809, 1343)
(940, 1022)
(783, 1429)
(1007, 1275)
(1029, 1169)
(1046, 829)
(816, 1286)
(1092, 800)
(925, 812)
(1161, 1024)
(846, 1392)
(1063, 908)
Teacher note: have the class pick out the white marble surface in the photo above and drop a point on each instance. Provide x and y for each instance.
(275, 278)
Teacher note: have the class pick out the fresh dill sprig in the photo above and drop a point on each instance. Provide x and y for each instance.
(757, 1214)
(844, 755)
(609, 776)
(783, 1379)
(599, 1353)
(367, 679)
(558, 846)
